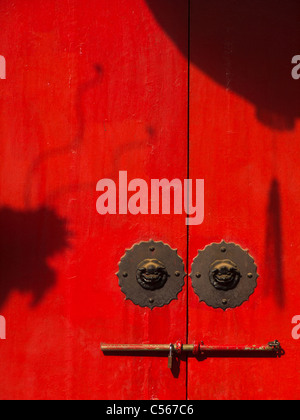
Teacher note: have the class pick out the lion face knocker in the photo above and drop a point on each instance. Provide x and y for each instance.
(224, 275)
(151, 274)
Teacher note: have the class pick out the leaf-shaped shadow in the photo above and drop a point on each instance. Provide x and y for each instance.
(27, 240)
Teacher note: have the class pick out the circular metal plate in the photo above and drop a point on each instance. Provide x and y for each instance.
(151, 274)
(224, 275)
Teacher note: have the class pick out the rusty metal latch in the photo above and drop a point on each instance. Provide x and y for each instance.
(196, 349)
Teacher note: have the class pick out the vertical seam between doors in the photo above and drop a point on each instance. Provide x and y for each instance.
(188, 177)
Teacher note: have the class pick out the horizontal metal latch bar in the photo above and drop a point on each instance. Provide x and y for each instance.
(186, 348)
(196, 348)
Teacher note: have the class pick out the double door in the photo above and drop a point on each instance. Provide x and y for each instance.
(180, 90)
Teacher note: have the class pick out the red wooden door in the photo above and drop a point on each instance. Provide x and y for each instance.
(160, 90)
(88, 93)
(244, 140)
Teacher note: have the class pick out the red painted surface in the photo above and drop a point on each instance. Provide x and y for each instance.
(88, 93)
(100, 86)
(251, 170)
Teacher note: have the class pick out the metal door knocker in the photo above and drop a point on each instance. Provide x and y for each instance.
(151, 274)
(224, 275)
